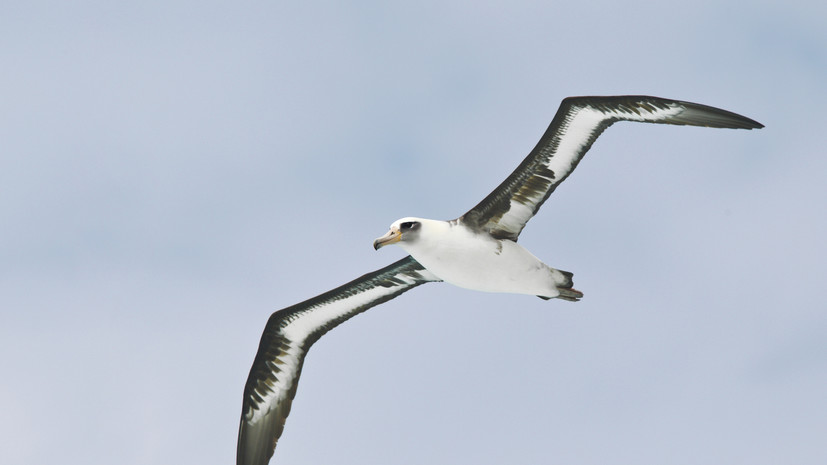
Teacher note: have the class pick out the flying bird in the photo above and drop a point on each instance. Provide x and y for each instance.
(478, 250)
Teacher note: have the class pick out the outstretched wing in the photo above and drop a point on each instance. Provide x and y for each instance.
(575, 127)
(289, 333)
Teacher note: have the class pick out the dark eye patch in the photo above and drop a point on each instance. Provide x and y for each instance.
(407, 225)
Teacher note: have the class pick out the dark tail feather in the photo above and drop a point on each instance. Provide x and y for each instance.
(569, 293)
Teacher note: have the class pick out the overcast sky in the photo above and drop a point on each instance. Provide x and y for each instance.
(173, 172)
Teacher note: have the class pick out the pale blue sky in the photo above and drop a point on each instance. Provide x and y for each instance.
(173, 172)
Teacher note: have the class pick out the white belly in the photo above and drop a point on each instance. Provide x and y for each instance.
(481, 263)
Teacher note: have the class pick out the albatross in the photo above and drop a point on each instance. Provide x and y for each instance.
(478, 251)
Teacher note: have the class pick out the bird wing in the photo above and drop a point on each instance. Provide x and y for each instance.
(271, 385)
(575, 127)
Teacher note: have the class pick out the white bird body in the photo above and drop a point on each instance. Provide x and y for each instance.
(460, 256)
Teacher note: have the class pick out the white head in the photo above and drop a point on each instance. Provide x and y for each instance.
(406, 231)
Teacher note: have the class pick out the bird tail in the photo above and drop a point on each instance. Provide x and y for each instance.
(563, 281)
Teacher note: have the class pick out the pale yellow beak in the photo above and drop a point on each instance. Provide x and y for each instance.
(393, 236)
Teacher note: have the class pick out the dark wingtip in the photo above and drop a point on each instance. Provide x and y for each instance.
(697, 114)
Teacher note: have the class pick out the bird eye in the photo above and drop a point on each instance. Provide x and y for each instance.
(406, 225)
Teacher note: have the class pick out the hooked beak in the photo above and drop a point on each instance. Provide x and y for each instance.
(393, 236)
